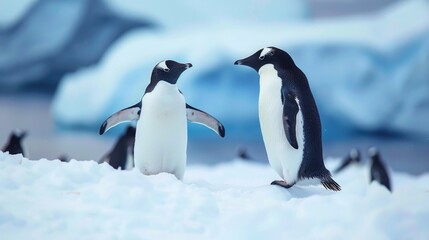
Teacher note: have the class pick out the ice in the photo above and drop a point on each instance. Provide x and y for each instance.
(187, 13)
(367, 72)
(46, 199)
(11, 11)
(55, 37)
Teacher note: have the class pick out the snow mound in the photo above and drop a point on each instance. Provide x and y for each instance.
(83, 200)
(359, 69)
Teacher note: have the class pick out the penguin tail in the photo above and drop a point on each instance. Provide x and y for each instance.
(330, 184)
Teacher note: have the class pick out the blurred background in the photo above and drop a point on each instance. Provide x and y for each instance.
(66, 65)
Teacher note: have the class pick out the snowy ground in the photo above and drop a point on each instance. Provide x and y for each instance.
(83, 200)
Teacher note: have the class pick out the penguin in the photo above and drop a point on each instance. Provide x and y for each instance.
(64, 158)
(352, 158)
(378, 171)
(14, 145)
(243, 154)
(161, 115)
(289, 119)
(122, 154)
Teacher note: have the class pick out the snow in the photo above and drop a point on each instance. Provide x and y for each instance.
(358, 67)
(49, 199)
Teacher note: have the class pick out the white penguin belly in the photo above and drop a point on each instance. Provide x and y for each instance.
(283, 158)
(161, 133)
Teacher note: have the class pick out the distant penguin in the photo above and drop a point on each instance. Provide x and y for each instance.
(352, 158)
(378, 171)
(243, 154)
(161, 134)
(122, 156)
(14, 145)
(64, 158)
(289, 119)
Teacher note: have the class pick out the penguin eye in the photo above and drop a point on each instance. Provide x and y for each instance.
(261, 57)
(166, 70)
(271, 53)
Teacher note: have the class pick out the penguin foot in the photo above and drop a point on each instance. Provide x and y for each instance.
(330, 184)
(282, 183)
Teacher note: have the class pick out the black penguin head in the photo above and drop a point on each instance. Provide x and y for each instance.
(373, 152)
(268, 55)
(243, 154)
(374, 155)
(355, 155)
(64, 158)
(169, 71)
(18, 135)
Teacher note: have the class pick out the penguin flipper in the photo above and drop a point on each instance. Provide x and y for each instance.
(125, 115)
(290, 110)
(380, 175)
(343, 165)
(198, 116)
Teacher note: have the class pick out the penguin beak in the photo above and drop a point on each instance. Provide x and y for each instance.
(243, 61)
(188, 65)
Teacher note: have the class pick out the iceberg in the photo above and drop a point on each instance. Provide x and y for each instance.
(368, 72)
(12, 11)
(188, 13)
(46, 39)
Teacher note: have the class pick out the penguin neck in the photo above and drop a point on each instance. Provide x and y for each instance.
(267, 70)
(164, 84)
(14, 140)
(155, 78)
(164, 96)
(269, 79)
(156, 83)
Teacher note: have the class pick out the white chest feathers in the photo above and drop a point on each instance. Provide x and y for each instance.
(161, 134)
(283, 158)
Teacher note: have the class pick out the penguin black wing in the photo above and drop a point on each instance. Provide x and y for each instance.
(290, 110)
(197, 116)
(379, 173)
(352, 158)
(14, 144)
(13, 148)
(125, 115)
(346, 162)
